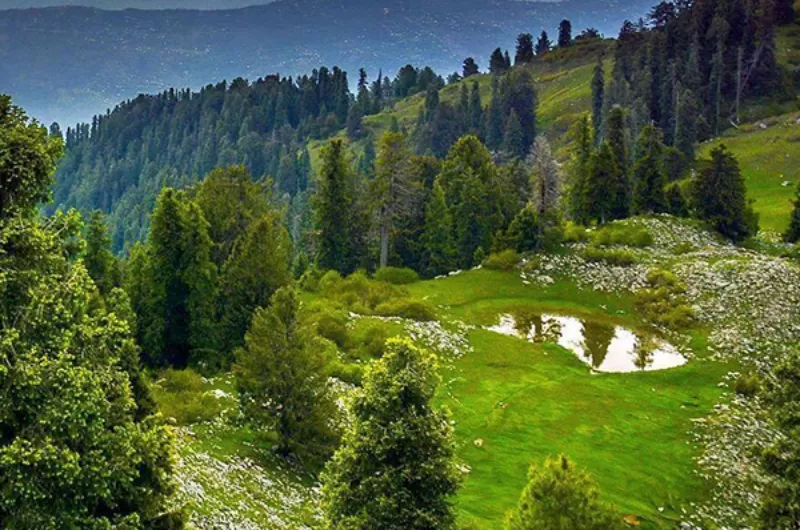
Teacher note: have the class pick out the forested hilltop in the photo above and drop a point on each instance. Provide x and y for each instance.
(68, 63)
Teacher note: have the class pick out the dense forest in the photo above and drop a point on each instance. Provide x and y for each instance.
(211, 244)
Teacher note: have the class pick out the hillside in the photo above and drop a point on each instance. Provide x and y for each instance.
(658, 442)
(67, 64)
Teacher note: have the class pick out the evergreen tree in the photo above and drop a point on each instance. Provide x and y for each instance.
(339, 229)
(617, 137)
(495, 124)
(579, 170)
(98, 259)
(177, 323)
(475, 110)
(792, 234)
(598, 98)
(602, 190)
(519, 94)
(497, 62)
(392, 187)
(648, 174)
(395, 468)
(545, 177)
(470, 68)
(281, 379)
(543, 44)
(524, 49)
(686, 125)
(785, 11)
(719, 196)
(561, 497)
(514, 140)
(255, 270)
(565, 34)
(439, 250)
(524, 233)
(230, 202)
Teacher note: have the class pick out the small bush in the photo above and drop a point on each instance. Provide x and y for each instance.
(574, 233)
(334, 328)
(405, 308)
(622, 235)
(310, 280)
(506, 260)
(330, 280)
(358, 292)
(374, 342)
(181, 394)
(347, 372)
(396, 275)
(747, 385)
(615, 257)
(663, 301)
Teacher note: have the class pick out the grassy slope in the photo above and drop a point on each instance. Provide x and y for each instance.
(630, 431)
(562, 80)
(769, 158)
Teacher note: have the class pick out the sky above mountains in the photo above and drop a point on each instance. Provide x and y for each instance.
(139, 4)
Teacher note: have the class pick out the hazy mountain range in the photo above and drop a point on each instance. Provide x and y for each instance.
(68, 63)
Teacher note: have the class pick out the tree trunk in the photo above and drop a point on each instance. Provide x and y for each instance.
(384, 262)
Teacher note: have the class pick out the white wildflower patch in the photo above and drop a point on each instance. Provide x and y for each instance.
(237, 493)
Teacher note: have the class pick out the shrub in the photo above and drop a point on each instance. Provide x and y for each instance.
(347, 372)
(575, 233)
(396, 275)
(334, 328)
(374, 342)
(663, 301)
(615, 257)
(506, 260)
(310, 280)
(360, 293)
(622, 235)
(747, 385)
(182, 395)
(406, 308)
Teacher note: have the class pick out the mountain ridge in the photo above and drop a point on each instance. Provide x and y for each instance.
(91, 59)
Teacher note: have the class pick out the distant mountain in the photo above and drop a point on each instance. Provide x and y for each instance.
(69, 63)
(135, 4)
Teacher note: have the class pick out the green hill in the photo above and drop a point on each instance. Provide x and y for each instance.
(769, 154)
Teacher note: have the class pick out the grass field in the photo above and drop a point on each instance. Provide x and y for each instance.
(631, 431)
(770, 161)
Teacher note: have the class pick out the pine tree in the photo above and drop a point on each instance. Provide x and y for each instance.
(392, 187)
(514, 141)
(495, 123)
(601, 191)
(559, 495)
(545, 177)
(255, 270)
(648, 174)
(719, 197)
(497, 62)
(339, 230)
(598, 98)
(178, 321)
(395, 468)
(230, 202)
(792, 234)
(281, 379)
(686, 124)
(565, 34)
(519, 94)
(579, 176)
(475, 110)
(543, 44)
(524, 49)
(470, 68)
(439, 250)
(98, 259)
